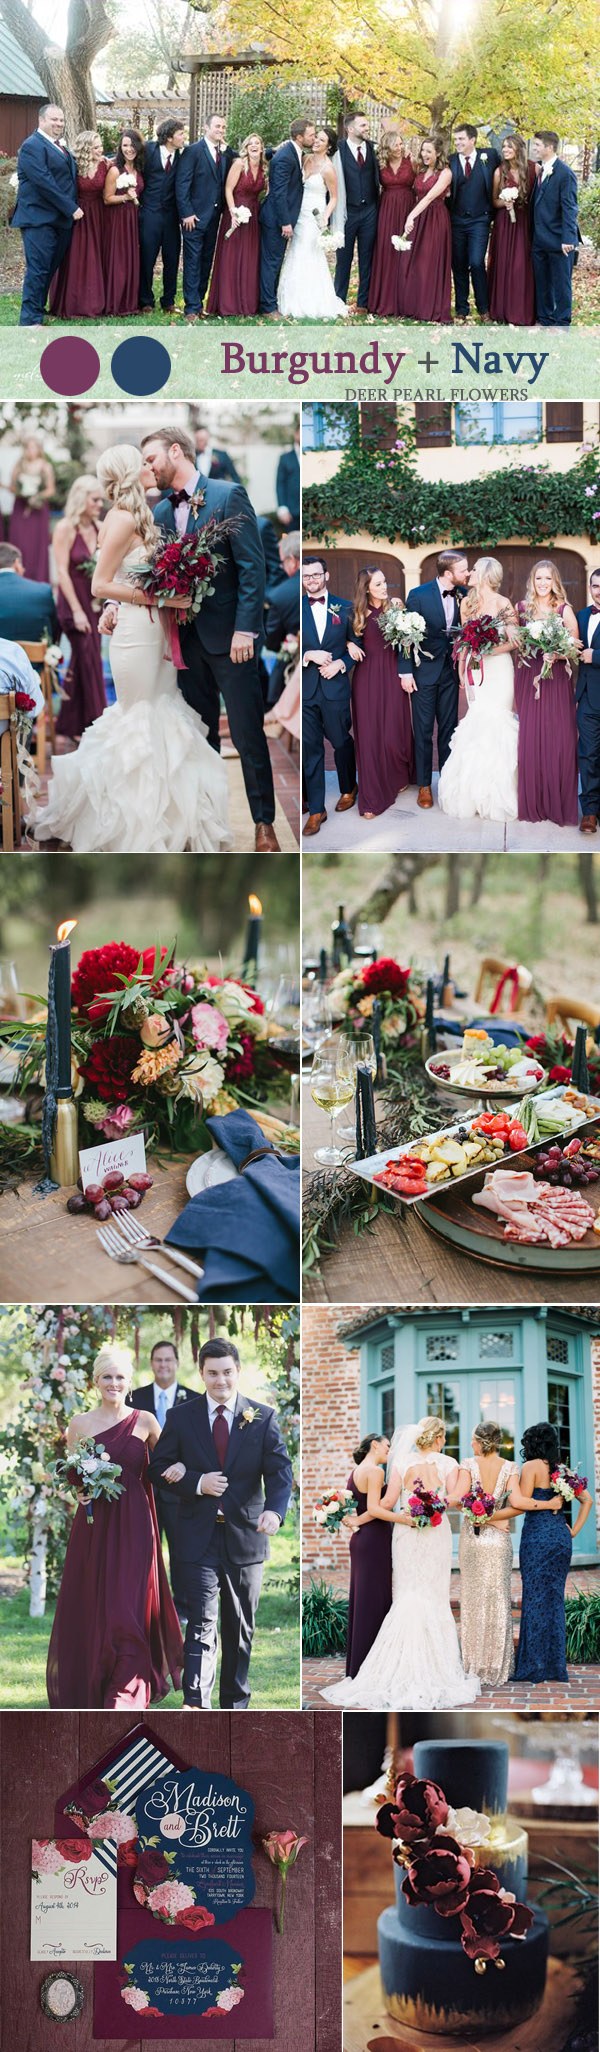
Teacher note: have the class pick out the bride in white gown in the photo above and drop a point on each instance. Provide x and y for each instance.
(479, 777)
(415, 1663)
(306, 290)
(143, 778)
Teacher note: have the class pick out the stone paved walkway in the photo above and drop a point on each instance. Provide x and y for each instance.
(405, 826)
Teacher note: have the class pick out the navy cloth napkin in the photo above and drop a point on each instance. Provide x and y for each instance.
(246, 1231)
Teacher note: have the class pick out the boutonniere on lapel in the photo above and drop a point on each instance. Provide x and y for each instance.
(335, 615)
(483, 156)
(247, 1418)
(196, 501)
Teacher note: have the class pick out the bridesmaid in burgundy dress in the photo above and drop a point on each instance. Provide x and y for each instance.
(381, 718)
(427, 286)
(547, 725)
(397, 190)
(77, 290)
(510, 271)
(75, 542)
(33, 484)
(234, 286)
(115, 1640)
(123, 188)
(370, 1551)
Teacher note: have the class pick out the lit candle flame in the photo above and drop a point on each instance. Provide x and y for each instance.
(62, 932)
(254, 906)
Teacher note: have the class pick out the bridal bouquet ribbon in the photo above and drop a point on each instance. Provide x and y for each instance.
(567, 1482)
(550, 639)
(239, 219)
(475, 640)
(182, 570)
(403, 630)
(437, 1846)
(90, 1469)
(332, 1507)
(478, 1506)
(426, 1508)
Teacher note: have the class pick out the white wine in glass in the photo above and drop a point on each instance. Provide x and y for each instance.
(331, 1091)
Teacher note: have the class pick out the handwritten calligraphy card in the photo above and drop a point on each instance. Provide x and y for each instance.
(194, 1864)
(178, 1983)
(73, 1899)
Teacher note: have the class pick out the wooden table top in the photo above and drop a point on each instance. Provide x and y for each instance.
(49, 1257)
(401, 1261)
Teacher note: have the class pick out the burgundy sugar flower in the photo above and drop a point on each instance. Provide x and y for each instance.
(416, 1811)
(490, 1916)
(439, 1876)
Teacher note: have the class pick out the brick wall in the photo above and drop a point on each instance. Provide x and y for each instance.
(596, 1399)
(330, 1431)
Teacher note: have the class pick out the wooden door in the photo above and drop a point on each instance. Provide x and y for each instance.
(344, 565)
(517, 562)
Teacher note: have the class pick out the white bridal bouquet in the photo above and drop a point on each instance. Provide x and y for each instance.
(89, 1468)
(239, 219)
(127, 183)
(401, 242)
(550, 639)
(332, 238)
(403, 630)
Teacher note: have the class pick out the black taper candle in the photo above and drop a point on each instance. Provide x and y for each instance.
(366, 1125)
(580, 1075)
(323, 966)
(61, 962)
(429, 1018)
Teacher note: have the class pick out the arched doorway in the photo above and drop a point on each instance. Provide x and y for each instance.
(344, 564)
(518, 560)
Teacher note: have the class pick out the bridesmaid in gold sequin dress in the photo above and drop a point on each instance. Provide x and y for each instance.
(485, 1559)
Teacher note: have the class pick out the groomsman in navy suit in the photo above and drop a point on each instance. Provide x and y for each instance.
(471, 209)
(160, 233)
(45, 211)
(279, 214)
(555, 233)
(588, 708)
(200, 186)
(360, 170)
(160, 1398)
(27, 609)
(327, 659)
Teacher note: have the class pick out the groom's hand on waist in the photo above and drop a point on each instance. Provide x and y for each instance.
(268, 1522)
(213, 1484)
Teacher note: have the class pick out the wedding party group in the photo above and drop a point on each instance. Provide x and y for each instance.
(210, 1473)
(253, 227)
(383, 679)
(162, 553)
(404, 1651)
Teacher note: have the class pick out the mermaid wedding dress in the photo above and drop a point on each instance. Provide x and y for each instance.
(143, 779)
(306, 290)
(415, 1663)
(479, 777)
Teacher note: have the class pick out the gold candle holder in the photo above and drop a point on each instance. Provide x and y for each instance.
(64, 1159)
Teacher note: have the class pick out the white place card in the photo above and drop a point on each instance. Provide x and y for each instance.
(73, 1899)
(128, 1155)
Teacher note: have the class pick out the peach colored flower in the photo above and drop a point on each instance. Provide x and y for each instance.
(154, 1062)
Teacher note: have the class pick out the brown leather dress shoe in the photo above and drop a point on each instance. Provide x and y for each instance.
(265, 841)
(314, 821)
(425, 797)
(589, 823)
(347, 799)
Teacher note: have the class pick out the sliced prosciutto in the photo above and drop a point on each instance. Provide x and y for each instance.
(535, 1214)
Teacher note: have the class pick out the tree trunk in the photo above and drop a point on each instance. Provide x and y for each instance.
(477, 876)
(399, 877)
(65, 74)
(39, 1549)
(587, 874)
(453, 872)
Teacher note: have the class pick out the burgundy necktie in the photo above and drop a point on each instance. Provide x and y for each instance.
(360, 157)
(168, 163)
(220, 1432)
(468, 167)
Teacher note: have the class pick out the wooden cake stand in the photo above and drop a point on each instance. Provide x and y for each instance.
(368, 2028)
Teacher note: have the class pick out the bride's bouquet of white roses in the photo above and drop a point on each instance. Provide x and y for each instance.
(89, 1468)
(403, 630)
(126, 183)
(550, 639)
(331, 238)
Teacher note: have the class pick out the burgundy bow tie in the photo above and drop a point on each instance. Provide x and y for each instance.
(177, 498)
(594, 609)
(318, 601)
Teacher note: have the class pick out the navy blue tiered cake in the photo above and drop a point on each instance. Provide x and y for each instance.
(428, 1979)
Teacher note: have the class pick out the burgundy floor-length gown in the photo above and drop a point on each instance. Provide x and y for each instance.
(29, 531)
(381, 723)
(370, 1583)
(122, 256)
(427, 291)
(115, 1639)
(547, 767)
(84, 682)
(78, 290)
(388, 269)
(510, 271)
(235, 286)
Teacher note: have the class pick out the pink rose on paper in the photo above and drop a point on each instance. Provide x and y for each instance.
(135, 1997)
(117, 1122)
(113, 1824)
(210, 1028)
(45, 1856)
(229, 1998)
(169, 1898)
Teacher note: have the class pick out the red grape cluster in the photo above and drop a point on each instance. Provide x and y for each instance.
(114, 1194)
(566, 1167)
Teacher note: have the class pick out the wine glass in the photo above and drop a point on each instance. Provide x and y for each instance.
(285, 1048)
(355, 1050)
(12, 1002)
(331, 1090)
(317, 1017)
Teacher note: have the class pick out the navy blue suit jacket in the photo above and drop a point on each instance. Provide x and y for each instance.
(288, 482)
(554, 208)
(47, 184)
(484, 176)
(200, 182)
(258, 1470)
(159, 194)
(144, 1399)
(286, 189)
(283, 615)
(588, 675)
(335, 641)
(27, 609)
(238, 600)
(426, 599)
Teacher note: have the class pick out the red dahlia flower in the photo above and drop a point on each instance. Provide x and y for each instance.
(108, 1067)
(385, 975)
(98, 970)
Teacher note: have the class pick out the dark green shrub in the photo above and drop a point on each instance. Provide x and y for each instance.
(583, 1629)
(324, 1621)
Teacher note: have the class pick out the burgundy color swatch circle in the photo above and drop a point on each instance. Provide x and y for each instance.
(70, 366)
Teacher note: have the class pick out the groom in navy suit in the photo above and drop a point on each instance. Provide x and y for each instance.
(226, 1460)
(555, 233)
(221, 644)
(471, 213)
(279, 214)
(45, 211)
(433, 683)
(200, 188)
(588, 708)
(327, 660)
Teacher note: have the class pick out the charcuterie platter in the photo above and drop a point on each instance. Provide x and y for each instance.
(460, 1153)
(528, 1216)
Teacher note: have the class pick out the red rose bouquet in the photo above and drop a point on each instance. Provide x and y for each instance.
(332, 1507)
(184, 570)
(426, 1508)
(475, 640)
(478, 1507)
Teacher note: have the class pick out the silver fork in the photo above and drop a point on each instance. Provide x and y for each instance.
(113, 1245)
(138, 1236)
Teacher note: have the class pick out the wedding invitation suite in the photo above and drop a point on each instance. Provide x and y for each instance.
(195, 1847)
(73, 1899)
(178, 1983)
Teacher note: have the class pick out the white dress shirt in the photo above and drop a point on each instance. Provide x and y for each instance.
(470, 159)
(548, 167)
(229, 1414)
(182, 512)
(447, 598)
(319, 613)
(166, 151)
(593, 625)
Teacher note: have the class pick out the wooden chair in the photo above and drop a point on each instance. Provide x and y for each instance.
(9, 775)
(494, 968)
(36, 650)
(571, 1012)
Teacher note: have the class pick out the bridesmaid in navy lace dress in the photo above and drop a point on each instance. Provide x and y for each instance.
(545, 1559)
(370, 1551)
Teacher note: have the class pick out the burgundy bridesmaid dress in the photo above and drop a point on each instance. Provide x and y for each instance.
(510, 271)
(29, 531)
(234, 286)
(84, 681)
(77, 291)
(122, 256)
(428, 283)
(370, 1583)
(381, 723)
(115, 1640)
(547, 767)
(388, 270)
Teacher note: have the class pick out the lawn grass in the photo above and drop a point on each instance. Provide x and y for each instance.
(275, 1670)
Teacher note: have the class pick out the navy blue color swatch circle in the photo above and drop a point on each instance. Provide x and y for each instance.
(141, 365)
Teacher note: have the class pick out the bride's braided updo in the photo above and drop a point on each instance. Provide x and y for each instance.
(118, 472)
